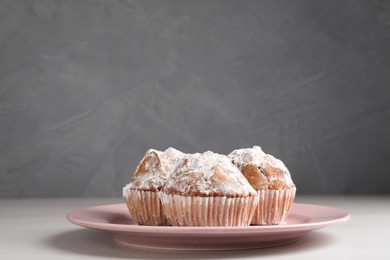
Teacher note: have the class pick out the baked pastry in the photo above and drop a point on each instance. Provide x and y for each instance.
(272, 181)
(141, 194)
(208, 190)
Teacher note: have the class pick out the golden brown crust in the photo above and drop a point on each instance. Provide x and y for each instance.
(265, 176)
(154, 169)
(263, 171)
(254, 176)
(150, 161)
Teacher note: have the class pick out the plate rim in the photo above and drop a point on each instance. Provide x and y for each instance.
(140, 229)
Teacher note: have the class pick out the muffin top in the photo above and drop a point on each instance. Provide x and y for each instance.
(208, 174)
(154, 169)
(263, 171)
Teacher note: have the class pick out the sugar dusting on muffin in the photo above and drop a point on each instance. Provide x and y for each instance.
(154, 169)
(208, 174)
(209, 189)
(262, 170)
(142, 193)
(272, 181)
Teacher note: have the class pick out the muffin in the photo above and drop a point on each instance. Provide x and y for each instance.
(208, 190)
(141, 194)
(272, 181)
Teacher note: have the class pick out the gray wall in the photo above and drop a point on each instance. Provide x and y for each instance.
(86, 87)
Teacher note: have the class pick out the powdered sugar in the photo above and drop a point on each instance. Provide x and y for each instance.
(208, 174)
(248, 155)
(257, 157)
(203, 174)
(155, 168)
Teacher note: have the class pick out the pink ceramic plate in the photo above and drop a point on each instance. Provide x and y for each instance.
(116, 220)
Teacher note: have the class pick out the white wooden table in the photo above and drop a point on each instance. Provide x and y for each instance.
(38, 229)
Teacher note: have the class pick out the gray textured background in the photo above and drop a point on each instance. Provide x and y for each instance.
(87, 86)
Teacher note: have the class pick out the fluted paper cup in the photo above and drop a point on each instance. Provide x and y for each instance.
(208, 211)
(273, 207)
(145, 207)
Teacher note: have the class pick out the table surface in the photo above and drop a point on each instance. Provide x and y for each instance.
(38, 229)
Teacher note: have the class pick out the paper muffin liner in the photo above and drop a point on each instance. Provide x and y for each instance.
(145, 207)
(273, 207)
(208, 211)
